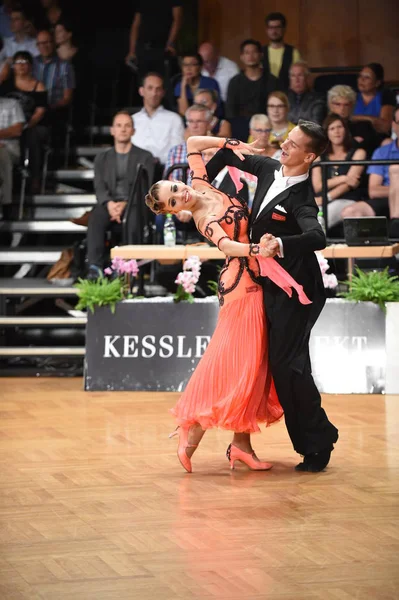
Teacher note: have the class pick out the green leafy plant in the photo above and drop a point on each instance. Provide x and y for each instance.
(101, 292)
(374, 286)
(213, 285)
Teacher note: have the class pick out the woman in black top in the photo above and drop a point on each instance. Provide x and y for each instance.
(342, 180)
(32, 96)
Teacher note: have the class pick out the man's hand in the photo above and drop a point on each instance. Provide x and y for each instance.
(269, 245)
(115, 210)
(184, 216)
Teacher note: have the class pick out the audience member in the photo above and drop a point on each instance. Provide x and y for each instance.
(52, 13)
(341, 101)
(153, 34)
(209, 98)
(304, 103)
(198, 119)
(156, 129)
(342, 180)
(58, 77)
(5, 18)
(374, 103)
(259, 131)
(277, 110)
(11, 126)
(278, 56)
(191, 81)
(19, 40)
(65, 43)
(383, 184)
(32, 97)
(4, 64)
(114, 178)
(247, 91)
(219, 67)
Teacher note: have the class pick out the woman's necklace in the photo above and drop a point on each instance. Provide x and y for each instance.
(279, 134)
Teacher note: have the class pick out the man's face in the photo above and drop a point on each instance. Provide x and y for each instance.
(250, 56)
(295, 149)
(17, 22)
(298, 79)
(209, 55)
(197, 123)
(275, 31)
(152, 91)
(341, 107)
(122, 128)
(45, 44)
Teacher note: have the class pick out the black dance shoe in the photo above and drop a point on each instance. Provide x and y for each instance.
(316, 462)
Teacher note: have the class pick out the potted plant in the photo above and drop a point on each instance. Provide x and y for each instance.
(373, 286)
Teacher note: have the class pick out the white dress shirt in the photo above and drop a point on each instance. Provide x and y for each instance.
(11, 46)
(158, 133)
(278, 186)
(225, 70)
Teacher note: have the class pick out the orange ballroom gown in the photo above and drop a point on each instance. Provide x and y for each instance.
(232, 386)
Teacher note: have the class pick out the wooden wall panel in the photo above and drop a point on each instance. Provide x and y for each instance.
(340, 32)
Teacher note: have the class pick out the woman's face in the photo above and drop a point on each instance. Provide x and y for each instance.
(61, 34)
(276, 109)
(367, 81)
(191, 68)
(22, 67)
(261, 133)
(176, 196)
(336, 132)
(206, 100)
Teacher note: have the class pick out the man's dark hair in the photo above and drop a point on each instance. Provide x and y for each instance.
(276, 16)
(18, 8)
(250, 42)
(152, 74)
(318, 138)
(378, 71)
(122, 111)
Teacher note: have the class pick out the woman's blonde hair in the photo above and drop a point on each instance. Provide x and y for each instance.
(341, 91)
(281, 96)
(152, 200)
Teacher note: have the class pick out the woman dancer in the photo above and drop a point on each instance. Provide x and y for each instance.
(232, 386)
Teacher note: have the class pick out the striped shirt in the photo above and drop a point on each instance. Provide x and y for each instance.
(56, 75)
(177, 154)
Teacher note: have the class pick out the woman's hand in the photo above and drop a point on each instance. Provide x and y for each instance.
(269, 245)
(242, 148)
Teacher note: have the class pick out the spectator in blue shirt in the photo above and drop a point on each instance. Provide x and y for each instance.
(191, 81)
(383, 184)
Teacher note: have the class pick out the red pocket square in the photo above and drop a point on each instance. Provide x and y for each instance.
(278, 217)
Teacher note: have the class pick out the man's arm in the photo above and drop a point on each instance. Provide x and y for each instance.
(312, 237)
(14, 131)
(69, 84)
(376, 189)
(177, 16)
(100, 187)
(134, 33)
(231, 103)
(318, 110)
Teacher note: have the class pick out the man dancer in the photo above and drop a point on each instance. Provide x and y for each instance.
(284, 207)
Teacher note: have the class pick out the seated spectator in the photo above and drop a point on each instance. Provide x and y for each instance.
(5, 18)
(64, 41)
(383, 184)
(278, 108)
(52, 13)
(153, 35)
(4, 64)
(278, 56)
(155, 128)
(341, 101)
(374, 103)
(247, 91)
(114, 178)
(11, 126)
(208, 98)
(304, 103)
(58, 77)
(259, 130)
(32, 97)
(219, 67)
(342, 180)
(198, 119)
(19, 40)
(191, 65)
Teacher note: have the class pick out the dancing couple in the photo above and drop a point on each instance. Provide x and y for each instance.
(257, 365)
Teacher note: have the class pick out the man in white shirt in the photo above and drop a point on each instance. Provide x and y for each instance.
(156, 129)
(19, 40)
(12, 121)
(219, 67)
(284, 214)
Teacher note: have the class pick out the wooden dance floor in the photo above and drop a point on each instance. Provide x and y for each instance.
(95, 506)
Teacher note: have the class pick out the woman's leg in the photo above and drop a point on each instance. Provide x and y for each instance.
(195, 435)
(358, 209)
(243, 442)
